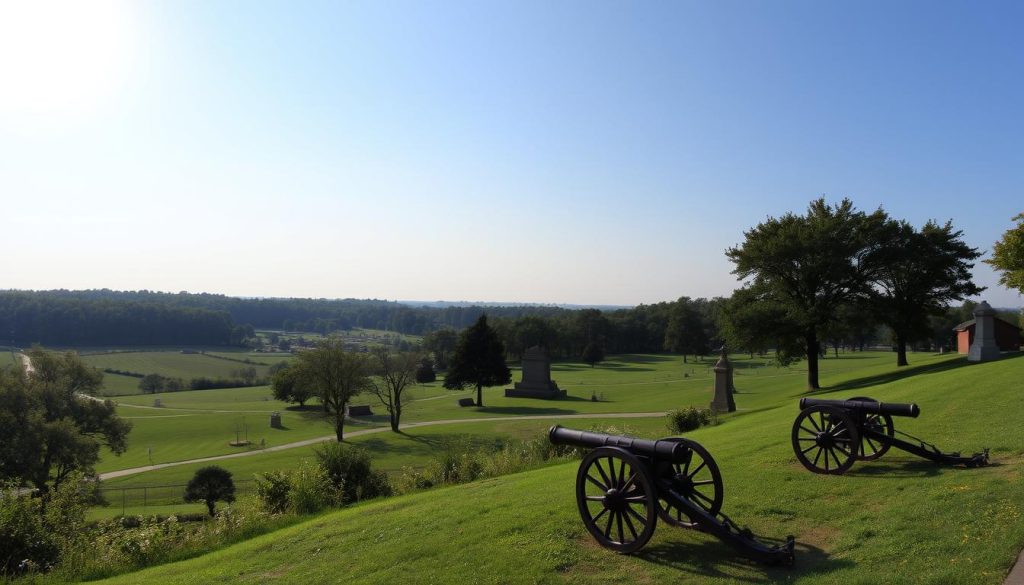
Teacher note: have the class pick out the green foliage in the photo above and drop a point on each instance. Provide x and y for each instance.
(210, 485)
(684, 420)
(394, 373)
(49, 427)
(310, 489)
(26, 542)
(1008, 256)
(273, 488)
(349, 469)
(478, 360)
(919, 273)
(334, 375)
(288, 388)
(688, 328)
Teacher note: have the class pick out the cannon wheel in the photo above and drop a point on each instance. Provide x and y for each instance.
(697, 480)
(881, 423)
(825, 439)
(616, 499)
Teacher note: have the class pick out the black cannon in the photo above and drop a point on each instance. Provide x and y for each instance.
(624, 485)
(829, 435)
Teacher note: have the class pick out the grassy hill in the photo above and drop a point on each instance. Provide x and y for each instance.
(897, 520)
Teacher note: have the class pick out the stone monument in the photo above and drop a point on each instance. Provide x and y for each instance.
(537, 382)
(984, 348)
(275, 420)
(724, 389)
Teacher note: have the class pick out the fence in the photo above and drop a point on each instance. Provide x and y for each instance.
(158, 495)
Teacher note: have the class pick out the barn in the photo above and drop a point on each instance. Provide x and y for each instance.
(1008, 336)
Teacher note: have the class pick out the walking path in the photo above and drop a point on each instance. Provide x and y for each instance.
(307, 442)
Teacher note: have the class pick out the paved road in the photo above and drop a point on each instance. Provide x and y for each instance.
(307, 442)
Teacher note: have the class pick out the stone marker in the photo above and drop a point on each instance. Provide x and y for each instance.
(724, 389)
(984, 348)
(537, 382)
(275, 420)
(157, 403)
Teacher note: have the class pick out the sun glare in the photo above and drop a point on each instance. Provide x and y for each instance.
(60, 57)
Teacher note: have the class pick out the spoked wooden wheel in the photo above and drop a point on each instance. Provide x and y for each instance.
(616, 499)
(825, 439)
(697, 479)
(871, 448)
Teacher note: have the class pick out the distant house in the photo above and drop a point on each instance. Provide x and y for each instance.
(1008, 336)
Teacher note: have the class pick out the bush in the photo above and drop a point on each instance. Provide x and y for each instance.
(273, 490)
(26, 544)
(310, 489)
(684, 420)
(425, 372)
(349, 470)
(210, 485)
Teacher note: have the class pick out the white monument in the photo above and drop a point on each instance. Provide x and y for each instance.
(984, 348)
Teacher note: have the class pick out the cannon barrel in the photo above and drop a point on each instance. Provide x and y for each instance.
(661, 450)
(868, 406)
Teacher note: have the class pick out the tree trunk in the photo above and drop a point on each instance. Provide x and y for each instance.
(394, 420)
(901, 350)
(479, 395)
(339, 424)
(813, 350)
(209, 506)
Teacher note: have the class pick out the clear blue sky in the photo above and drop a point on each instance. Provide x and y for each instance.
(580, 152)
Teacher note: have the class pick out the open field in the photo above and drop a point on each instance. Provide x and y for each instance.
(169, 363)
(896, 520)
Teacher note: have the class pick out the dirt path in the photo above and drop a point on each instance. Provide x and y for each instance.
(307, 442)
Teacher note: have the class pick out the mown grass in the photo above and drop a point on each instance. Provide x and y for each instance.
(897, 520)
(172, 364)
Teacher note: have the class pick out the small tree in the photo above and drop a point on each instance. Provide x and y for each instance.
(152, 383)
(478, 360)
(288, 388)
(395, 372)
(211, 484)
(1008, 256)
(593, 353)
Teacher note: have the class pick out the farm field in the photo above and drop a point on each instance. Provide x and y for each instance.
(169, 363)
(897, 520)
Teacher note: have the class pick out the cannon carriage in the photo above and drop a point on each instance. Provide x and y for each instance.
(830, 435)
(625, 485)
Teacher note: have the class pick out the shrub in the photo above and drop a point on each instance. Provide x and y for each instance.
(273, 490)
(26, 544)
(210, 484)
(349, 470)
(425, 372)
(310, 489)
(688, 419)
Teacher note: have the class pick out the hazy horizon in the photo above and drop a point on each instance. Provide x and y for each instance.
(570, 153)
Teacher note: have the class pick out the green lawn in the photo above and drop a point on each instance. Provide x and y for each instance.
(897, 520)
(170, 363)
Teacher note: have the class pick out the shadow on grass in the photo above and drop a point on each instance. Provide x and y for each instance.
(902, 468)
(888, 377)
(711, 558)
(528, 410)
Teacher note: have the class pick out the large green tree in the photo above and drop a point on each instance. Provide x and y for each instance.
(809, 265)
(1008, 256)
(51, 425)
(334, 375)
(210, 485)
(478, 360)
(687, 330)
(440, 343)
(919, 274)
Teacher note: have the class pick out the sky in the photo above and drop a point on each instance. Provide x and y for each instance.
(590, 152)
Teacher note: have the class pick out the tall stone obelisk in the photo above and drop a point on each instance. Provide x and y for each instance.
(984, 348)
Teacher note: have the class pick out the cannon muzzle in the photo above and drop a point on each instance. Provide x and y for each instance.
(660, 450)
(865, 406)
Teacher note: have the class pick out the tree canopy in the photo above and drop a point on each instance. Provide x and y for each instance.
(1008, 256)
(808, 265)
(393, 374)
(919, 272)
(210, 485)
(478, 360)
(50, 425)
(334, 375)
